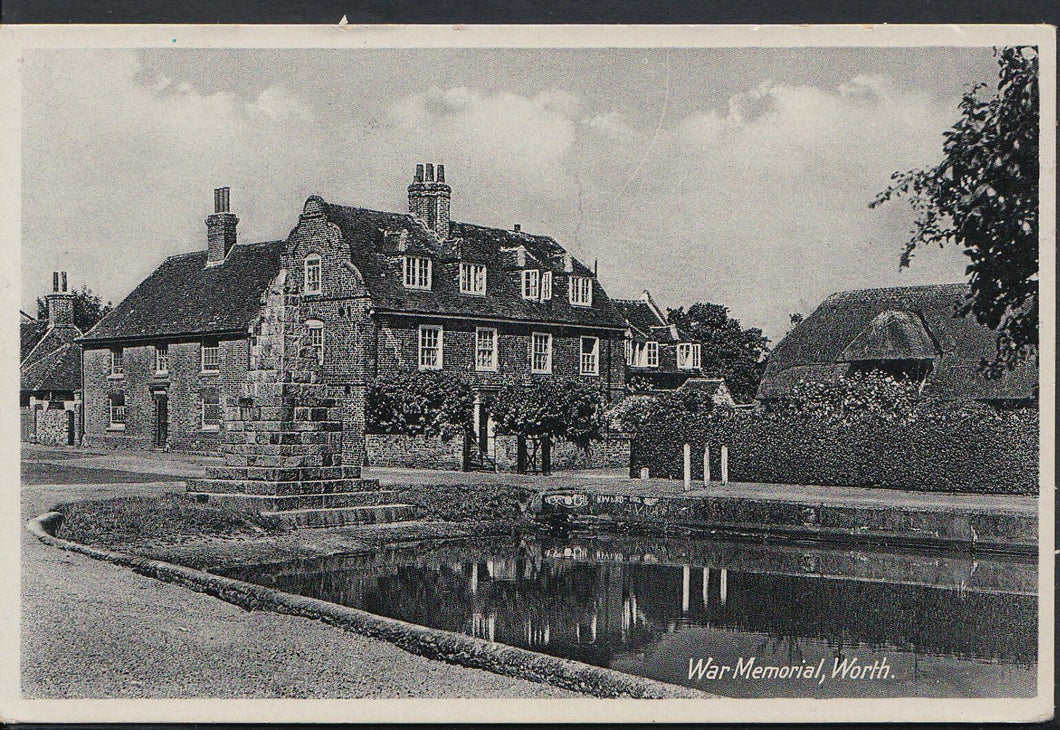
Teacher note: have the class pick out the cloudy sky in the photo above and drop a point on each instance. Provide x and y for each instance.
(738, 176)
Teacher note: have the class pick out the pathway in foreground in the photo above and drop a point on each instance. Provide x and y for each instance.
(91, 629)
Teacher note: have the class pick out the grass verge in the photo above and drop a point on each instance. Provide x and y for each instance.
(169, 518)
(466, 503)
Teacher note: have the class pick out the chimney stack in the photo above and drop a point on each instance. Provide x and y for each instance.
(429, 198)
(60, 302)
(220, 228)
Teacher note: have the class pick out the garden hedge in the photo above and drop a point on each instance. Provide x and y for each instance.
(947, 449)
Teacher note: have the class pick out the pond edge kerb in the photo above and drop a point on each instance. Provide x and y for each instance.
(438, 644)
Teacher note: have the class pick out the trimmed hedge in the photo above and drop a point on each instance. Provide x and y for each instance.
(946, 448)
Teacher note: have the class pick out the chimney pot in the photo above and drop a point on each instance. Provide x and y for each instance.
(64, 281)
(55, 281)
(441, 173)
(430, 172)
(517, 228)
(419, 173)
(220, 228)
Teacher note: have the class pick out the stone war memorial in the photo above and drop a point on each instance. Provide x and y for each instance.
(293, 445)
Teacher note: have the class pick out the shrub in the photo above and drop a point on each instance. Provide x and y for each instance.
(420, 403)
(859, 397)
(556, 407)
(845, 440)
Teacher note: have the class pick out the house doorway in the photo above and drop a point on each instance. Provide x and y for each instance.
(161, 424)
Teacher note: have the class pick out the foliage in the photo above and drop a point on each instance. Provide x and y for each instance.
(944, 450)
(983, 196)
(639, 384)
(88, 308)
(729, 351)
(857, 397)
(556, 407)
(420, 403)
(866, 431)
(629, 414)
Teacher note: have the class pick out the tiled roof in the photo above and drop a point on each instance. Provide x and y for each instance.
(640, 315)
(378, 258)
(30, 333)
(185, 297)
(58, 370)
(55, 363)
(849, 325)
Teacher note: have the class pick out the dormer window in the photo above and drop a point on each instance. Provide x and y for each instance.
(472, 278)
(546, 286)
(581, 291)
(689, 356)
(531, 284)
(312, 274)
(417, 272)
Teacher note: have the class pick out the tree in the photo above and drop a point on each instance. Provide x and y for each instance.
(420, 403)
(88, 308)
(983, 196)
(729, 350)
(556, 407)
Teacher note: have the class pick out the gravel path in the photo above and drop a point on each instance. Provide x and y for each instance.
(91, 629)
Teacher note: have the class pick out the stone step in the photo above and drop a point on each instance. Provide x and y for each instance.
(272, 503)
(283, 474)
(281, 488)
(339, 516)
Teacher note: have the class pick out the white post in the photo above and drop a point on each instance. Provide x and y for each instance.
(724, 465)
(706, 583)
(644, 472)
(706, 466)
(688, 467)
(723, 588)
(686, 580)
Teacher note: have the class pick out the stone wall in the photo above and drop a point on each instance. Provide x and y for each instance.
(433, 452)
(415, 452)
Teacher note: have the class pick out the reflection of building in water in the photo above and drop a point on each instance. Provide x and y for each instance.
(593, 611)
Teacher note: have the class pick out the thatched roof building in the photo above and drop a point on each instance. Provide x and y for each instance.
(914, 331)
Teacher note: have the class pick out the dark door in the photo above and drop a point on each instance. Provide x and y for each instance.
(69, 428)
(161, 419)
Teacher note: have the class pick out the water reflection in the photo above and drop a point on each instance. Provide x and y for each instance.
(948, 626)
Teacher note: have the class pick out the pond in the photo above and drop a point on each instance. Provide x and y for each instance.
(739, 619)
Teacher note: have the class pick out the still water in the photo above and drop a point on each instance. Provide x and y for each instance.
(785, 620)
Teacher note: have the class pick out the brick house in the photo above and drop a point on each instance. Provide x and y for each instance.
(382, 292)
(657, 353)
(50, 370)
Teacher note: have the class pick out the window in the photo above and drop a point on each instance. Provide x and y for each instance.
(590, 362)
(689, 356)
(540, 352)
(161, 359)
(211, 410)
(645, 355)
(546, 286)
(472, 278)
(211, 357)
(117, 362)
(581, 291)
(315, 330)
(485, 349)
(312, 274)
(417, 272)
(430, 347)
(117, 411)
(629, 351)
(531, 284)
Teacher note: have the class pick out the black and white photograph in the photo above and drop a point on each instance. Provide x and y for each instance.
(561, 372)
